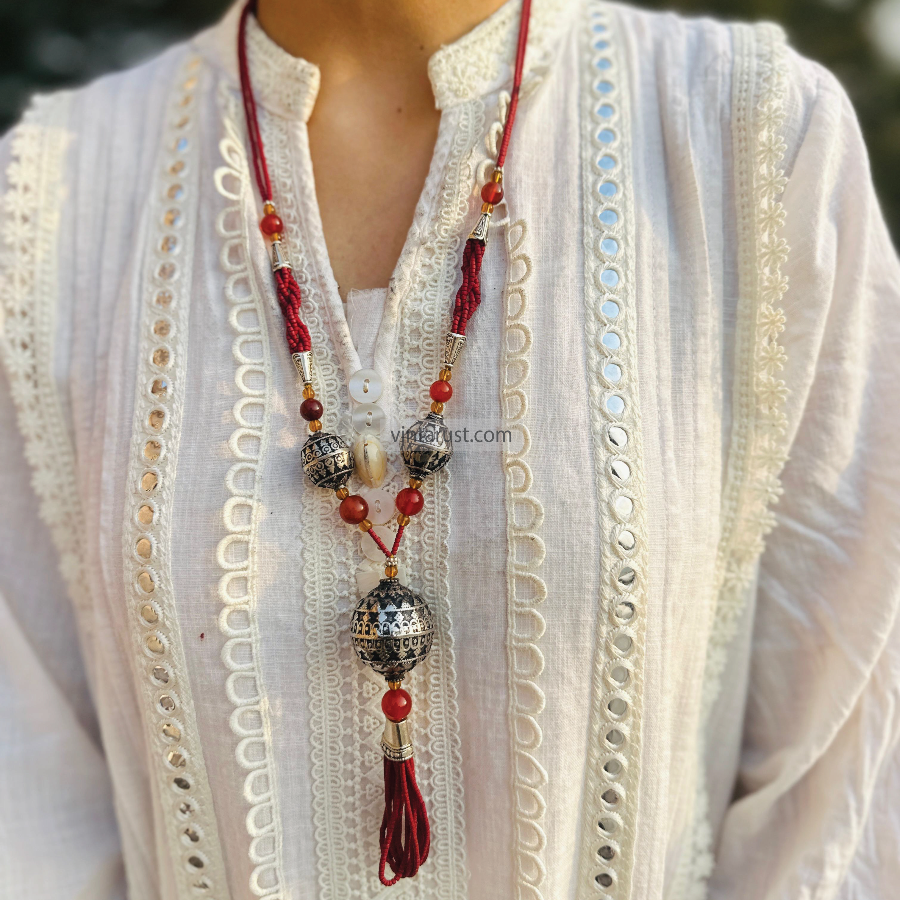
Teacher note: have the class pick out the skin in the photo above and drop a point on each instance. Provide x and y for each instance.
(374, 126)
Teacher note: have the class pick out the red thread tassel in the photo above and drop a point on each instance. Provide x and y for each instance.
(405, 832)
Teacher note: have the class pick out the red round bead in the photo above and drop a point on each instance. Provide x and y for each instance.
(492, 193)
(311, 409)
(271, 224)
(410, 501)
(441, 391)
(396, 704)
(353, 509)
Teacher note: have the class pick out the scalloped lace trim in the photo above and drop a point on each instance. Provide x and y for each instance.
(237, 551)
(29, 289)
(613, 766)
(526, 590)
(758, 447)
(172, 737)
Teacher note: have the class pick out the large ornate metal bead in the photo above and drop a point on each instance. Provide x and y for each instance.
(327, 460)
(426, 446)
(392, 628)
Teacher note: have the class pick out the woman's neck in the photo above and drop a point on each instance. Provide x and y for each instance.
(373, 128)
(341, 35)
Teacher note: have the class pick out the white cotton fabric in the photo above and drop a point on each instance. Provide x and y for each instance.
(798, 760)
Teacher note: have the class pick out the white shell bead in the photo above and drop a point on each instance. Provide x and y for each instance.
(371, 460)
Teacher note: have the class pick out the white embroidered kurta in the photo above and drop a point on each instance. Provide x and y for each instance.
(688, 283)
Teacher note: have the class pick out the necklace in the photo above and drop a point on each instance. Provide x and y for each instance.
(392, 627)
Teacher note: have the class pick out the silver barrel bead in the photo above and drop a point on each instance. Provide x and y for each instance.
(327, 460)
(427, 446)
(392, 629)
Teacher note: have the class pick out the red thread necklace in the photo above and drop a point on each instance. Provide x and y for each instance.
(392, 627)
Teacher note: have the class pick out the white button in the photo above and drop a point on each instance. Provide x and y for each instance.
(381, 505)
(367, 417)
(365, 386)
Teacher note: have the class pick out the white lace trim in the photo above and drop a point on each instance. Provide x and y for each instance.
(613, 765)
(29, 288)
(526, 590)
(172, 737)
(289, 85)
(758, 444)
(237, 551)
(481, 61)
(347, 780)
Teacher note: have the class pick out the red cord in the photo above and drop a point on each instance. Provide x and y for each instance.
(260, 168)
(517, 81)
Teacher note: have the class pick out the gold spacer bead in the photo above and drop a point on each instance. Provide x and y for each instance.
(446, 374)
(415, 483)
(315, 425)
(403, 520)
(394, 684)
(390, 571)
(497, 177)
(487, 207)
(342, 493)
(275, 237)
(437, 407)
(365, 525)
(268, 208)
(308, 392)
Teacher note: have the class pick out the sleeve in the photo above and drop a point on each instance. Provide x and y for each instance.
(58, 832)
(816, 812)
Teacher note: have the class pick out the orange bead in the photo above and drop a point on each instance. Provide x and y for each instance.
(396, 704)
(353, 509)
(410, 501)
(441, 391)
(271, 225)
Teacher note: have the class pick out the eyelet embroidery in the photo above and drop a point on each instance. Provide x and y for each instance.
(612, 773)
(173, 743)
(236, 552)
(526, 590)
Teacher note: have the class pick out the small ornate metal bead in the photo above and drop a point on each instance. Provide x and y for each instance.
(426, 447)
(327, 460)
(392, 629)
(453, 347)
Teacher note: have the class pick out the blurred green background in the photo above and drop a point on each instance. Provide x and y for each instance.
(49, 43)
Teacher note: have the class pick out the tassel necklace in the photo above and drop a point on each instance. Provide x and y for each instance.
(392, 627)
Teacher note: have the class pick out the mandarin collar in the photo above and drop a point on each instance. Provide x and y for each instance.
(476, 65)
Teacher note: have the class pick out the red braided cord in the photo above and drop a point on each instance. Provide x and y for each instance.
(468, 297)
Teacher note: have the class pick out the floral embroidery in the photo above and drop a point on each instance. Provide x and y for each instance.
(758, 450)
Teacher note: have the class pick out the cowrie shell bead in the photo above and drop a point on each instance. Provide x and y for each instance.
(371, 460)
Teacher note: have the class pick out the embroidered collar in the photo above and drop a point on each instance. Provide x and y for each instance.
(477, 64)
